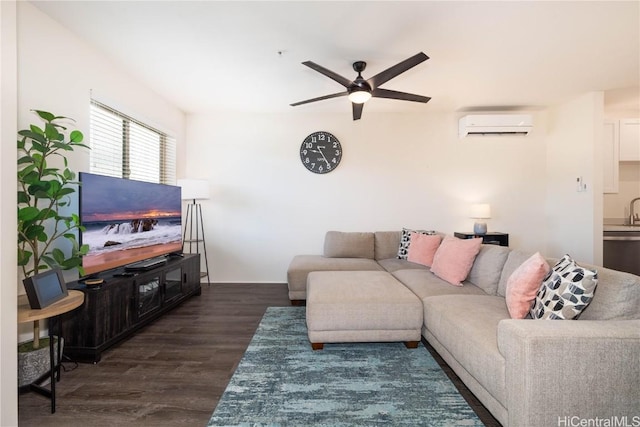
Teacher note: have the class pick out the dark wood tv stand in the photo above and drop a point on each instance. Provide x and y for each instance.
(123, 304)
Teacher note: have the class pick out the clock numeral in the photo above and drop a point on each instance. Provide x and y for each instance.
(308, 145)
(304, 152)
(321, 136)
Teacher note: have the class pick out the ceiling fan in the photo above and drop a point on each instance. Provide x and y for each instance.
(360, 90)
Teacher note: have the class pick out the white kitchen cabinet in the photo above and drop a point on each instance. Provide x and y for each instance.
(629, 140)
(610, 155)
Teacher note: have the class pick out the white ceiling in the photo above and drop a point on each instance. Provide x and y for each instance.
(246, 56)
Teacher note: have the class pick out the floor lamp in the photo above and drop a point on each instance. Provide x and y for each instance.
(195, 189)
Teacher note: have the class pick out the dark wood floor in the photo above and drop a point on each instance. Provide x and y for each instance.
(173, 371)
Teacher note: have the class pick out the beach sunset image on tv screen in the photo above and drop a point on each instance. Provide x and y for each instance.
(127, 220)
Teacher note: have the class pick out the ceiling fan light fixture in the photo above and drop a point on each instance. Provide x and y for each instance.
(360, 90)
(359, 96)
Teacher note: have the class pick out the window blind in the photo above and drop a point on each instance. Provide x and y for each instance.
(126, 148)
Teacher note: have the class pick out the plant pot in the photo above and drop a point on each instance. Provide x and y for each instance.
(34, 363)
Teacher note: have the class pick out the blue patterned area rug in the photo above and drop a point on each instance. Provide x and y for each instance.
(280, 381)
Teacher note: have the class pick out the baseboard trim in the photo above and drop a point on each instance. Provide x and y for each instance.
(246, 283)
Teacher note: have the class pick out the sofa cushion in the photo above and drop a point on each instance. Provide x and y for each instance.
(466, 326)
(617, 297)
(424, 283)
(523, 285)
(302, 265)
(393, 264)
(454, 258)
(339, 244)
(565, 292)
(487, 267)
(423, 247)
(405, 241)
(386, 244)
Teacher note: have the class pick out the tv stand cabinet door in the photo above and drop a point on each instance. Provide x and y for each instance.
(105, 316)
(148, 294)
(191, 275)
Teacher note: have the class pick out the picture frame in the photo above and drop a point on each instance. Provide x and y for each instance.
(45, 288)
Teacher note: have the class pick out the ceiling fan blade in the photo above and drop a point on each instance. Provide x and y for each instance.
(320, 98)
(334, 76)
(403, 96)
(357, 110)
(399, 68)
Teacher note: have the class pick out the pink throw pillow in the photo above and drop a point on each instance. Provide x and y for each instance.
(523, 285)
(454, 258)
(423, 247)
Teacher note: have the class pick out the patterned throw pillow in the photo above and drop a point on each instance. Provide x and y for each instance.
(565, 292)
(405, 241)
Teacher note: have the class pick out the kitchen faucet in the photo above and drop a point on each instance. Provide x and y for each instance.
(633, 217)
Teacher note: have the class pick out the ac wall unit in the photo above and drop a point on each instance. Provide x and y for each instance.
(495, 124)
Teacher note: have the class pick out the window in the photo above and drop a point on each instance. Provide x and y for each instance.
(126, 148)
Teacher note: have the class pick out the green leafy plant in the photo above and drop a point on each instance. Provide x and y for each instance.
(43, 191)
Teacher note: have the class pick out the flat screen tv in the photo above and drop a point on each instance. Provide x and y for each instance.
(127, 221)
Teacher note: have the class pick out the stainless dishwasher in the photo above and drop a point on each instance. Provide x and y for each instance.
(621, 250)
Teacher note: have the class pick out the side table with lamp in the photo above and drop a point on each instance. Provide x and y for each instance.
(481, 211)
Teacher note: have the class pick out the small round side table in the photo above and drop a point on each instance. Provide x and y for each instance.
(27, 314)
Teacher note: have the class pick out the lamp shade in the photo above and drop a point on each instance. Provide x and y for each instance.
(359, 96)
(480, 210)
(194, 189)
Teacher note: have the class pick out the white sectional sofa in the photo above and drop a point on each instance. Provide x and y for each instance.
(526, 372)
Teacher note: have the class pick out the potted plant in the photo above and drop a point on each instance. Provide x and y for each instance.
(44, 192)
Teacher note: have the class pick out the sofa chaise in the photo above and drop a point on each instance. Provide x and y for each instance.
(526, 372)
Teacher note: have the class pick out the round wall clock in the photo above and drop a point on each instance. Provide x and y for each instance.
(321, 152)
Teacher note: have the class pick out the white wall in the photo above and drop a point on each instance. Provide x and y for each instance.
(60, 72)
(574, 219)
(8, 253)
(408, 170)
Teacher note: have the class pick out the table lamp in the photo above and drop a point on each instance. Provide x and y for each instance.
(480, 211)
